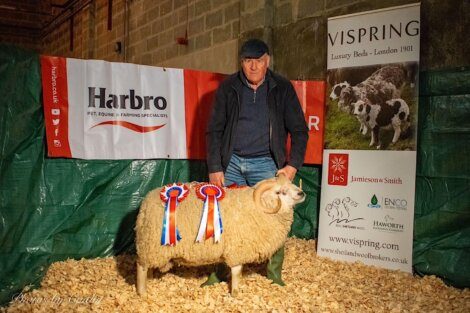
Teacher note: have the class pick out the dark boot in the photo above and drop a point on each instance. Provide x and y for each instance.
(274, 267)
(221, 274)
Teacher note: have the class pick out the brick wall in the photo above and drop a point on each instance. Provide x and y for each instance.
(21, 22)
(153, 27)
(294, 29)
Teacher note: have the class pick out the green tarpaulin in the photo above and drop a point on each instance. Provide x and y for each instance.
(442, 211)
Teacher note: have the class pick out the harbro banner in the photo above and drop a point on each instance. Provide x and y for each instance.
(369, 161)
(102, 110)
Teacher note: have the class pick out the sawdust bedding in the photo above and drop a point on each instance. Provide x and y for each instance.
(314, 284)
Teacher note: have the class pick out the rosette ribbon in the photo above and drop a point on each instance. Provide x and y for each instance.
(211, 221)
(171, 194)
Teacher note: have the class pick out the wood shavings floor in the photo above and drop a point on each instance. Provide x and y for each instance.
(314, 284)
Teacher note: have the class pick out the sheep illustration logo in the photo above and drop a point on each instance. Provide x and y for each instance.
(339, 210)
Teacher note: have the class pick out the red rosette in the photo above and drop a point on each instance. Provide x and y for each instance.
(205, 189)
(178, 190)
(235, 186)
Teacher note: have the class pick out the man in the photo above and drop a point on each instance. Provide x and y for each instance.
(254, 110)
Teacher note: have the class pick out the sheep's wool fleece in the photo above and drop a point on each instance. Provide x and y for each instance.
(249, 235)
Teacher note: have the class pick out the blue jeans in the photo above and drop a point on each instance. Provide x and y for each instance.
(249, 171)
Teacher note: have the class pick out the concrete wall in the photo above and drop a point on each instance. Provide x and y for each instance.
(294, 29)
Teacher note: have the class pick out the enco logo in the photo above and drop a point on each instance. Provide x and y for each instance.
(395, 203)
(130, 101)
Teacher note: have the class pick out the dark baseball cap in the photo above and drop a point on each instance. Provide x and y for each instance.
(253, 49)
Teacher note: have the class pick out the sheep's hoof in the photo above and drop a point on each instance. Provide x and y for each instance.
(235, 293)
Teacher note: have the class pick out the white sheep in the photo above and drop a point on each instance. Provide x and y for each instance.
(255, 220)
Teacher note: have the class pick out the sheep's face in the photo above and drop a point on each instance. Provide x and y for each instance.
(361, 108)
(278, 195)
(289, 195)
(346, 98)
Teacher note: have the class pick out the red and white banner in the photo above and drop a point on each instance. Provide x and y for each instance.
(103, 110)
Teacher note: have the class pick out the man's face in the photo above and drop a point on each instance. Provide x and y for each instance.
(255, 69)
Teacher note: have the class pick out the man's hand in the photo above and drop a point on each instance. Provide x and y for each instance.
(289, 171)
(217, 178)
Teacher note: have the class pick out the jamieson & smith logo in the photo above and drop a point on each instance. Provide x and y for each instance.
(338, 166)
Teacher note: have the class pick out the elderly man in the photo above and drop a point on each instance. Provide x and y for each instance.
(253, 112)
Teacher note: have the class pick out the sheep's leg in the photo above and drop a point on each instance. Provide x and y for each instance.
(396, 135)
(141, 279)
(236, 276)
(364, 129)
(374, 134)
(150, 273)
(375, 137)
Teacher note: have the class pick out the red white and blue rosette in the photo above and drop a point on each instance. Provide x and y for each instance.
(211, 221)
(171, 194)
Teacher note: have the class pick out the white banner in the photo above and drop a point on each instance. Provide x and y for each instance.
(144, 96)
(369, 161)
(367, 38)
(370, 217)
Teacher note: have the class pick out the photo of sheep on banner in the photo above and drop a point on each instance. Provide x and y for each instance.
(373, 107)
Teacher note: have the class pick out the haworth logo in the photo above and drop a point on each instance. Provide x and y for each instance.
(338, 167)
(130, 101)
(388, 225)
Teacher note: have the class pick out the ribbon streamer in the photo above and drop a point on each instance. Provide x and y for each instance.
(211, 221)
(171, 194)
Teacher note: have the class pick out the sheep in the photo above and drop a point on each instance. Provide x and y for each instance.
(393, 113)
(380, 86)
(337, 88)
(255, 221)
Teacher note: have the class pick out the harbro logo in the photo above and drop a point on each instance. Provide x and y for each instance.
(126, 101)
(145, 107)
(338, 166)
(374, 202)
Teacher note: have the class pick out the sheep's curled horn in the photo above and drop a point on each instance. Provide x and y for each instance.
(266, 186)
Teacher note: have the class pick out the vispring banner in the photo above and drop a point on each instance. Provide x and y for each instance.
(102, 110)
(369, 161)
